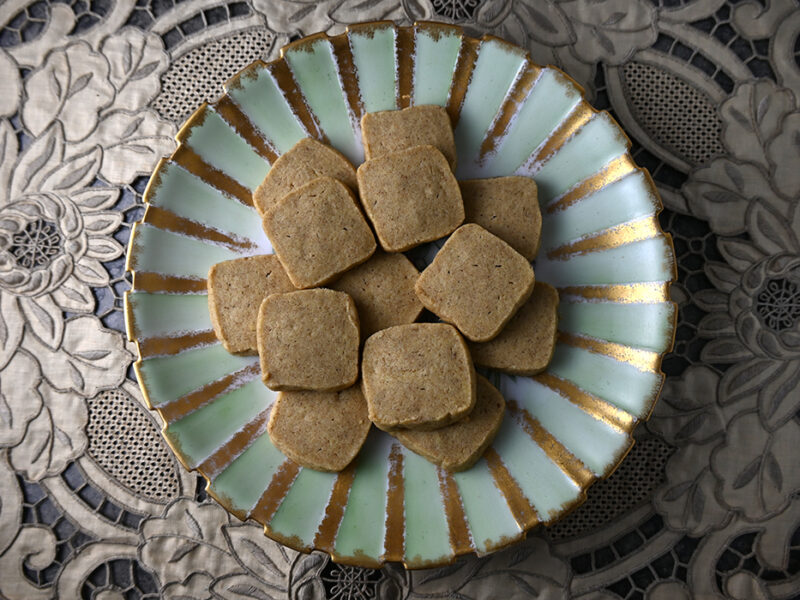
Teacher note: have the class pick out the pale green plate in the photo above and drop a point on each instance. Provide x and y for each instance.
(602, 248)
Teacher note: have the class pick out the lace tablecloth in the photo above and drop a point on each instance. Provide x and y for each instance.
(93, 504)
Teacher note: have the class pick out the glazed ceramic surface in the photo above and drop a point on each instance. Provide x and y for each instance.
(602, 248)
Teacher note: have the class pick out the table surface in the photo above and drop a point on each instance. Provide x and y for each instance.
(93, 504)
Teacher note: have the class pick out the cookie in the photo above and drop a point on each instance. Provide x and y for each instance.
(526, 344)
(417, 376)
(383, 290)
(393, 130)
(320, 430)
(236, 289)
(459, 446)
(308, 340)
(508, 207)
(411, 197)
(307, 160)
(476, 282)
(318, 232)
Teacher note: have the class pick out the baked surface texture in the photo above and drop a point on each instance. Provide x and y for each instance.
(417, 376)
(307, 160)
(320, 430)
(458, 446)
(526, 344)
(308, 340)
(389, 131)
(410, 197)
(318, 232)
(508, 207)
(236, 289)
(476, 282)
(383, 290)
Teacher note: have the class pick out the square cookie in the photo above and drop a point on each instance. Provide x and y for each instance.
(308, 340)
(476, 282)
(318, 232)
(526, 344)
(393, 130)
(459, 446)
(411, 197)
(307, 160)
(383, 290)
(417, 376)
(320, 430)
(236, 289)
(508, 207)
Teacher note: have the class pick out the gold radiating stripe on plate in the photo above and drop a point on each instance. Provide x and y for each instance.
(514, 100)
(555, 451)
(249, 72)
(334, 512)
(196, 119)
(599, 409)
(348, 76)
(460, 540)
(577, 118)
(613, 237)
(165, 219)
(613, 171)
(462, 74)
(161, 346)
(225, 455)
(277, 489)
(242, 125)
(625, 293)
(294, 97)
(177, 409)
(194, 163)
(405, 44)
(158, 282)
(524, 514)
(395, 511)
(644, 360)
(155, 180)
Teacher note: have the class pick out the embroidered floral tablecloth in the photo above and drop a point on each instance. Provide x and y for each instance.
(93, 504)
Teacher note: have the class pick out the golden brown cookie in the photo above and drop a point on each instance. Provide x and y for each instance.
(320, 430)
(458, 446)
(393, 130)
(411, 197)
(417, 376)
(508, 207)
(307, 160)
(526, 344)
(383, 290)
(236, 289)
(308, 340)
(318, 232)
(476, 282)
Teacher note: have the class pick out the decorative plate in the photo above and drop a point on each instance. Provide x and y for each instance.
(602, 248)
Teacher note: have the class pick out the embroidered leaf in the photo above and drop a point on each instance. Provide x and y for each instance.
(614, 19)
(773, 470)
(250, 591)
(183, 550)
(193, 524)
(677, 491)
(746, 475)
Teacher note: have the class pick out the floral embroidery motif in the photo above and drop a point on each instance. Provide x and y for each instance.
(457, 10)
(36, 245)
(778, 303)
(349, 583)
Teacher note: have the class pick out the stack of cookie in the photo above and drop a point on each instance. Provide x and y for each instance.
(417, 379)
